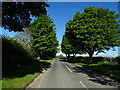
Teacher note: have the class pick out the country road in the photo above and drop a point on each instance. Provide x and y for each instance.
(66, 75)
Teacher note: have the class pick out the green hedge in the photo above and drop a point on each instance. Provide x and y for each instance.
(117, 59)
(95, 60)
(14, 56)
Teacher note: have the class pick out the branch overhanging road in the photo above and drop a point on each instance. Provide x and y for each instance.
(67, 75)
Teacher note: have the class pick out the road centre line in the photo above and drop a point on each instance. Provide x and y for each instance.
(83, 85)
(67, 67)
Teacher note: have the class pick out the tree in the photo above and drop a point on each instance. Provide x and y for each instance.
(67, 48)
(17, 15)
(94, 30)
(44, 37)
(24, 37)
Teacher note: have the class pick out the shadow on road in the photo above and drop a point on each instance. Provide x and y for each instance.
(93, 76)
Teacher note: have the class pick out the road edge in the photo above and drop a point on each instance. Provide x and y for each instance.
(34, 83)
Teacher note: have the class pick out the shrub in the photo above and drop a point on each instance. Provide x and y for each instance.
(117, 59)
(14, 56)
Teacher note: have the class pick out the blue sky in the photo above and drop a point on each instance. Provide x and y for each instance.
(61, 12)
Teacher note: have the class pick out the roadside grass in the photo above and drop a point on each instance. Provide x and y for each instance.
(82, 64)
(19, 82)
(47, 61)
(26, 75)
(108, 69)
(103, 65)
(1, 85)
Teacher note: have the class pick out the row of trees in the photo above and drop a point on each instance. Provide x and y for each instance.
(94, 30)
(39, 35)
(33, 39)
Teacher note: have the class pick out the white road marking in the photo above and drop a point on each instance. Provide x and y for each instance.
(68, 68)
(83, 85)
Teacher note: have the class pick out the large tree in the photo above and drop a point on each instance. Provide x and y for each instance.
(44, 37)
(67, 48)
(94, 30)
(17, 15)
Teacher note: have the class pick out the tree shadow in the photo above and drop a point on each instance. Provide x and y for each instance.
(93, 76)
(30, 68)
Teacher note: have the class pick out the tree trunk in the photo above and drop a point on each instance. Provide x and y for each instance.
(66, 55)
(90, 55)
(74, 55)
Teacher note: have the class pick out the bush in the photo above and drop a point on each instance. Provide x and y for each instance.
(94, 60)
(87, 60)
(117, 59)
(14, 56)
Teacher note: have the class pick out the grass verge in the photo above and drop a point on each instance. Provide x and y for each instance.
(19, 82)
(22, 78)
(47, 61)
(108, 69)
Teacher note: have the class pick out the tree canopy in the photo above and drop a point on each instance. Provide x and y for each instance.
(17, 15)
(94, 30)
(66, 47)
(44, 37)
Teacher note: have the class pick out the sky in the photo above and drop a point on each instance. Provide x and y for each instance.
(61, 12)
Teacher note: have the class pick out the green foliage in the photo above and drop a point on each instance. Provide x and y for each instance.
(86, 60)
(14, 56)
(93, 30)
(117, 59)
(44, 37)
(66, 47)
(95, 60)
(61, 56)
(16, 15)
(47, 61)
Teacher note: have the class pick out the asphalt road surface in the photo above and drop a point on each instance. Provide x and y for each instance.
(66, 75)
